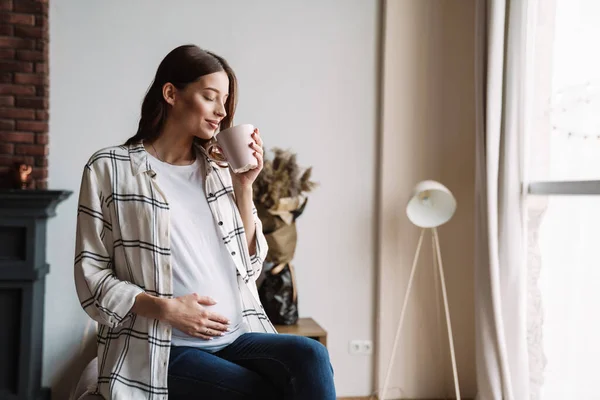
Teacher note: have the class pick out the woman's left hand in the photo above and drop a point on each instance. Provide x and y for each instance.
(246, 179)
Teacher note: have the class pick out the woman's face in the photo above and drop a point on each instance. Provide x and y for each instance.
(200, 107)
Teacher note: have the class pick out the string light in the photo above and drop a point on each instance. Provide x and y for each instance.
(577, 98)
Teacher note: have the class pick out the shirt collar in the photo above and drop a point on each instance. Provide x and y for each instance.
(140, 162)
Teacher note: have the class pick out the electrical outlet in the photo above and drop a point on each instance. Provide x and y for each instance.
(360, 347)
(354, 347)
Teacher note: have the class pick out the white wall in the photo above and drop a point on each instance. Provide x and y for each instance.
(307, 74)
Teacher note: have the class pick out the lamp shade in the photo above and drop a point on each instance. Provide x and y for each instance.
(430, 205)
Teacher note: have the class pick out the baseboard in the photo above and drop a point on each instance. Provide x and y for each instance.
(375, 398)
(354, 398)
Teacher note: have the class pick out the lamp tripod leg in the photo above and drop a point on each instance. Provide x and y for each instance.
(438, 302)
(402, 315)
(447, 310)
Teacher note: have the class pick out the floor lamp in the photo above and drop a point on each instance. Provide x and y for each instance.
(430, 206)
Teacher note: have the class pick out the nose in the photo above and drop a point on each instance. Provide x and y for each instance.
(220, 111)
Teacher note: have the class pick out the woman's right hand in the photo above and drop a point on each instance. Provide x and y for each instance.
(187, 314)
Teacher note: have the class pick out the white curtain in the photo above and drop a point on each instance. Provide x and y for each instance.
(500, 269)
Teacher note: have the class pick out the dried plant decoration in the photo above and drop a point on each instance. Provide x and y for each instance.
(280, 198)
(281, 178)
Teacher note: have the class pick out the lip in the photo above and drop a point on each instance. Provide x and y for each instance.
(213, 123)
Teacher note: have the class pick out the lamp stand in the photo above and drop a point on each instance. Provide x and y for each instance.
(436, 259)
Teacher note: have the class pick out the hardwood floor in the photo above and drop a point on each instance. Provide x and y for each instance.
(354, 398)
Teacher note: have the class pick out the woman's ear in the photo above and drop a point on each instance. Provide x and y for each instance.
(169, 91)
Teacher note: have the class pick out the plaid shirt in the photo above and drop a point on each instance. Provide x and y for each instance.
(123, 249)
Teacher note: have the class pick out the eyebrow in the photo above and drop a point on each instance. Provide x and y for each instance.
(215, 90)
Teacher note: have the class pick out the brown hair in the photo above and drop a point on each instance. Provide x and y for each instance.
(182, 66)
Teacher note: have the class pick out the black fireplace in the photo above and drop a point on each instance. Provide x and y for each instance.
(23, 269)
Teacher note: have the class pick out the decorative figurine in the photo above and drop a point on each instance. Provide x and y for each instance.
(23, 176)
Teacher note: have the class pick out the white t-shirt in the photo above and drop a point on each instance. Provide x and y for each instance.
(200, 260)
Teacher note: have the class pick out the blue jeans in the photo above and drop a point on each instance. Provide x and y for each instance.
(261, 366)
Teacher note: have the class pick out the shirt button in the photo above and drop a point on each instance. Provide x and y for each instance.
(220, 223)
(233, 253)
(210, 195)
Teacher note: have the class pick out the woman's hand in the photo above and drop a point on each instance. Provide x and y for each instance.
(246, 179)
(187, 314)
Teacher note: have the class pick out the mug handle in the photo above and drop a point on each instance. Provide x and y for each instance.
(216, 154)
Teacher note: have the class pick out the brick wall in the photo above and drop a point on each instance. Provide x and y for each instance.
(24, 88)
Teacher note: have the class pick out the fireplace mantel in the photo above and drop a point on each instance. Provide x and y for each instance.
(23, 269)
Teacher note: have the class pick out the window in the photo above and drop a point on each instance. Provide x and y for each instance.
(564, 201)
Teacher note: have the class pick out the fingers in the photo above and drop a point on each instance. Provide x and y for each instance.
(201, 331)
(214, 317)
(201, 336)
(203, 324)
(256, 148)
(208, 328)
(257, 138)
(217, 328)
(259, 157)
(209, 333)
(206, 300)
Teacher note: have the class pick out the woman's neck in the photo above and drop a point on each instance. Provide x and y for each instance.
(172, 147)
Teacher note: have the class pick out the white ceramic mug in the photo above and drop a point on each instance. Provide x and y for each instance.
(231, 147)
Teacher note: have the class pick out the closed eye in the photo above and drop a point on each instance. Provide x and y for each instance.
(217, 92)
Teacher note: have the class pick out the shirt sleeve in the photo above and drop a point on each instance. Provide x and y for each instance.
(105, 298)
(262, 248)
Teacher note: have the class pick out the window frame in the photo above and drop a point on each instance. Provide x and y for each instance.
(564, 188)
